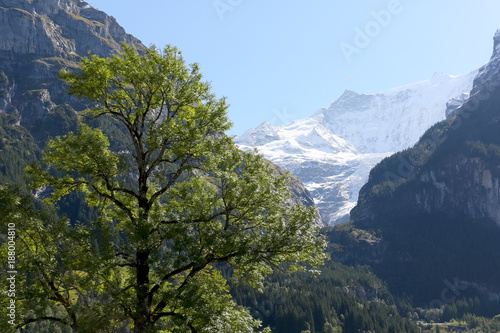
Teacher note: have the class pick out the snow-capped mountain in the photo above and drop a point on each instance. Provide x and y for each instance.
(333, 151)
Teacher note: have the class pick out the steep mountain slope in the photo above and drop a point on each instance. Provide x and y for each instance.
(455, 165)
(38, 39)
(435, 208)
(333, 151)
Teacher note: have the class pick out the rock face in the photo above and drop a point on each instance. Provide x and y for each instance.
(468, 185)
(436, 206)
(298, 193)
(58, 28)
(456, 164)
(333, 151)
(41, 37)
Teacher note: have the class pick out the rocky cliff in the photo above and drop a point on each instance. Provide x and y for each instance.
(435, 207)
(40, 37)
(454, 167)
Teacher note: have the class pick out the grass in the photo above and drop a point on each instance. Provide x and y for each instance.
(80, 18)
(18, 9)
(57, 60)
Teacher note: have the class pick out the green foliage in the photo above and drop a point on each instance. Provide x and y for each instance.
(293, 303)
(490, 152)
(48, 254)
(176, 198)
(328, 328)
(480, 324)
(17, 149)
(460, 307)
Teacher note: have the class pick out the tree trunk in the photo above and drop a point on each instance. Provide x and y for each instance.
(142, 320)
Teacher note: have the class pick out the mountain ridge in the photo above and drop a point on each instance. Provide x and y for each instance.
(333, 150)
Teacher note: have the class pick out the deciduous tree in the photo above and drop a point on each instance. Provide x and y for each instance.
(176, 199)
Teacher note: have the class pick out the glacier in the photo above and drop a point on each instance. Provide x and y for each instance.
(333, 150)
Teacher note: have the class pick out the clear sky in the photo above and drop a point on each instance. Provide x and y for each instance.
(281, 60)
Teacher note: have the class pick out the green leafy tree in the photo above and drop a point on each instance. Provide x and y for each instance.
(48, 255)
(176, 199)
(328, 328)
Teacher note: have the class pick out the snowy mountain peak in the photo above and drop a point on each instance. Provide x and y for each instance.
(438, 76)
(318, 138)
(348, 94)
(347, 102)
(333, 151)
(260, 135)
(496, 39)
(393, 119)
(299, 136)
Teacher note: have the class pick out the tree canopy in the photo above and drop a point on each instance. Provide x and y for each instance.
(176, 200)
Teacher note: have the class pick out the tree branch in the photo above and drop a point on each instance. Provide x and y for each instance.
(124, 190)
(172, 180)
(33, 320)
(208, 259)
(118, 203)
(163, 314)
(193, 330)
(165, 278)
(159, 159)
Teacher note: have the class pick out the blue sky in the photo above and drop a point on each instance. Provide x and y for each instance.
(282, 60)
